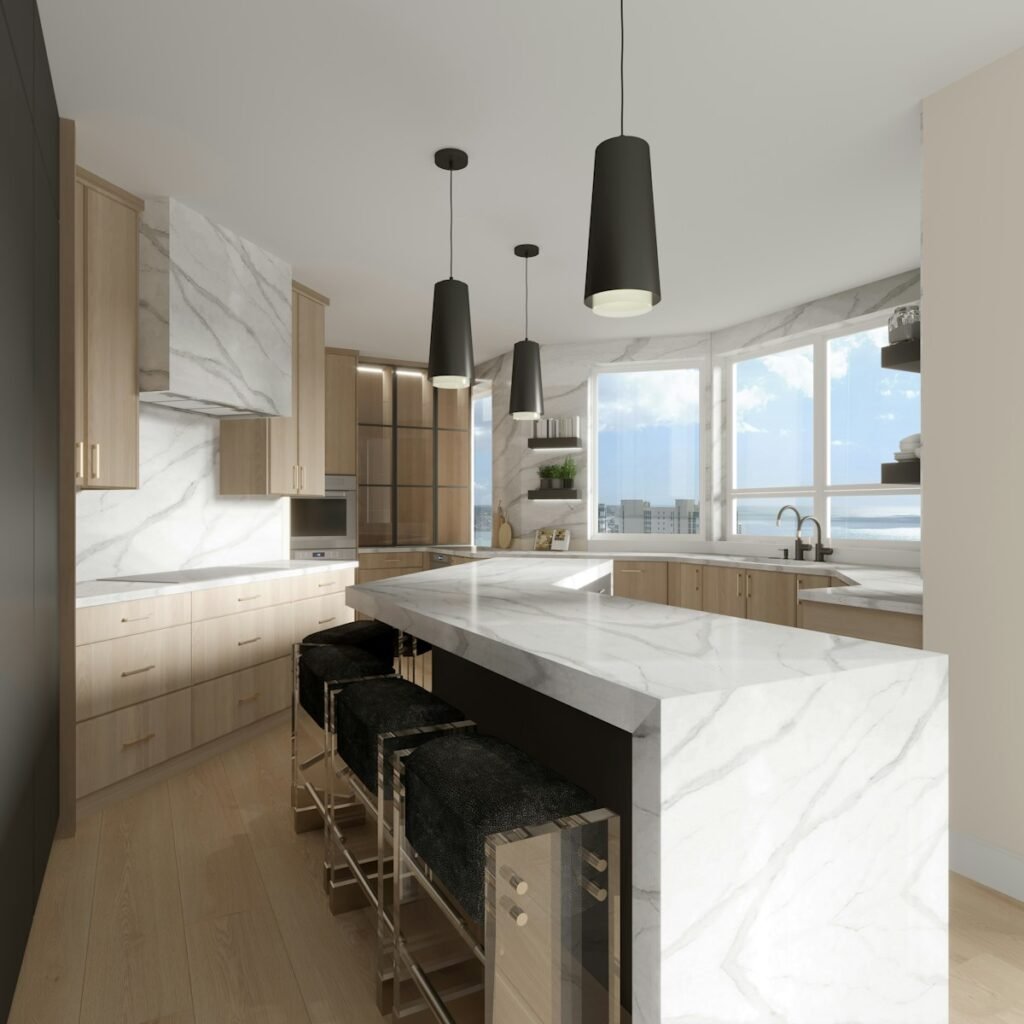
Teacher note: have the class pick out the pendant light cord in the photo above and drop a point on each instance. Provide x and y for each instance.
(526, 316)
(622, 68)
(451, 226)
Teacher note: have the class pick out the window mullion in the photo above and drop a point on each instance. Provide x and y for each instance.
(821, 431)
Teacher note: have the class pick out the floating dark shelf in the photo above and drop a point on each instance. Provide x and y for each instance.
(554, 494)
(901, 472)
(904, 355)
(567, 444)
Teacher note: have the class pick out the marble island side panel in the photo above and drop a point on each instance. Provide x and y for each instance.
(789, 804)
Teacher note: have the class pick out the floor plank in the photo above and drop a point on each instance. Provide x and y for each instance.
(136, 969)
(50, 985)
(241, 973)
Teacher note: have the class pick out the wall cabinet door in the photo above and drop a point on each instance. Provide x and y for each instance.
(642, 581)
(725, 590)
(309, 343)
(340, 412)
(106, 335)
(771, 597)
(684, 586)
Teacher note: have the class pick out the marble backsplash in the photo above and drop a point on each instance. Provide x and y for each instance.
(567, 370)
(175, 519)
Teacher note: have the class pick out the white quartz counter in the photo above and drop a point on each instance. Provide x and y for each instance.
(789, 788)
(94, 592)
(882, 588)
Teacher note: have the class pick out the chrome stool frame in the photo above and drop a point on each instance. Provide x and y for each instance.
(547, 977)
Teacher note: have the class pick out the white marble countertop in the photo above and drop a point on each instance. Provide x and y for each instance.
(94, 592)
(619, 654)
(879, 587)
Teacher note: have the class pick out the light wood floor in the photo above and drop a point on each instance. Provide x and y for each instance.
(194, 902)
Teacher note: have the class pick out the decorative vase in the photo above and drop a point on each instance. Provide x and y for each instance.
(546, 483)
(569, 483)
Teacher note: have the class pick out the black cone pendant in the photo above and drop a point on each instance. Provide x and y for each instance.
(450, 364)
(622, 256)
(526, 400)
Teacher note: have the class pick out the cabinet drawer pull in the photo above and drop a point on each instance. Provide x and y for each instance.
(624, 571)
(333, 583)
(137, 618)
(252, 640)
(515, 911)
(750, 582)
(252, 696)
(79, 460)
(598, 892)
(320, 622)
(251, 597)
(302, 478)
(295, 478)
(137, 671)
(739, 584)
(141, 739)
(94, 460)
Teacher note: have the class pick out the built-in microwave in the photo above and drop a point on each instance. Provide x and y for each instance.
(327, 528)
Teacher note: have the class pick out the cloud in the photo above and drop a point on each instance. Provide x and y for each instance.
(842, 444)
(648, 399)
(887, 415)
(795, 368)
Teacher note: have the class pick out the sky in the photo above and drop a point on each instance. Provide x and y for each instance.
(482, 468)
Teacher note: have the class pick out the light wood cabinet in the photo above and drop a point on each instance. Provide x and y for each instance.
(725, 590)
(340, 412)
(771, 597)
(883, 627)
(285, 455)
(393, 560)
(158, 676)
(453, 515)
(641, 581)
(106, 334)
(684, 585)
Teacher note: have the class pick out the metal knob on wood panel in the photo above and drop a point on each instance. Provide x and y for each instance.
(519, 885)
(515, 911)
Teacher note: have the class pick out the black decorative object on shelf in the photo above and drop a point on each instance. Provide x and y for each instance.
(908, 472)
(623, 277)
(526, 400)
(554, 494)
(904, 355)
(451, 334)
(558, 444)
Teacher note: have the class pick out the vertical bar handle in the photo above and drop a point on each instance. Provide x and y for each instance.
(79, 460)
(94, 460)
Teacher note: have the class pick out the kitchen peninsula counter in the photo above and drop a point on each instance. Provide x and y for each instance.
(788, 788)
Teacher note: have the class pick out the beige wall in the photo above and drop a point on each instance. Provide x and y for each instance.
(972, 418)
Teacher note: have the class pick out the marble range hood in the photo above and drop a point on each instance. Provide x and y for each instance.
(215, 317)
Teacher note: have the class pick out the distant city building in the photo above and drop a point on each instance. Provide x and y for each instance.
(634, 515)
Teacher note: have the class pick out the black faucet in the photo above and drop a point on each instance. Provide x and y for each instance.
(820, 551)
(801, 547)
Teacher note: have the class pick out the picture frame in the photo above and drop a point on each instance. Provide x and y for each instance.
(560, 539)
(551, 538)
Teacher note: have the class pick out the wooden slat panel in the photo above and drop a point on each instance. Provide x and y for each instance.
(126, 618)
(115, 673)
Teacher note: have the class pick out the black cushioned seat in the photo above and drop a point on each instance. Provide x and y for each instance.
(335, 664)
(364, 710)
(460, 789)
(376, 637)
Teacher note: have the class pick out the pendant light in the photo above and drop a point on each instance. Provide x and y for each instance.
(622, 257)
(451, 336)
(526, 401)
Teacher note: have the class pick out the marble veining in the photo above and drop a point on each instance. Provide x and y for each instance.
(790, 788)
(215, 318)
(176, 519)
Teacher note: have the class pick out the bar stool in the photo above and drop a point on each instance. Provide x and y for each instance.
(371, 719)
(523, 866)
(323, 661)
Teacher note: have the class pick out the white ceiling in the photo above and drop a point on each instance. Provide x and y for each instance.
(784, 136)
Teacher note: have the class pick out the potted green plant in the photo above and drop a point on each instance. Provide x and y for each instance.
(549, 477)
(567, 473)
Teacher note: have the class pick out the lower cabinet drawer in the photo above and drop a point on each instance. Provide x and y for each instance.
(322, 584)
(233, 642)
(112, 747)
(220, 706)
(320, 613)
(115, 673)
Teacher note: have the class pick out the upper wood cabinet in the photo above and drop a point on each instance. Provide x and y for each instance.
(285, 454)
(340, 412)
(106, 334)
(642, 581)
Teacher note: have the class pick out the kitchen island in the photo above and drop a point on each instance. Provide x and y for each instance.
(787, 789)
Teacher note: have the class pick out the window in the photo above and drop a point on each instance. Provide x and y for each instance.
(811, 426)
(483, 495)
(648, 452)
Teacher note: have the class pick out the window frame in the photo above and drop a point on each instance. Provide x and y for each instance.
(481, 389)
(704, 442)
(820, 491)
